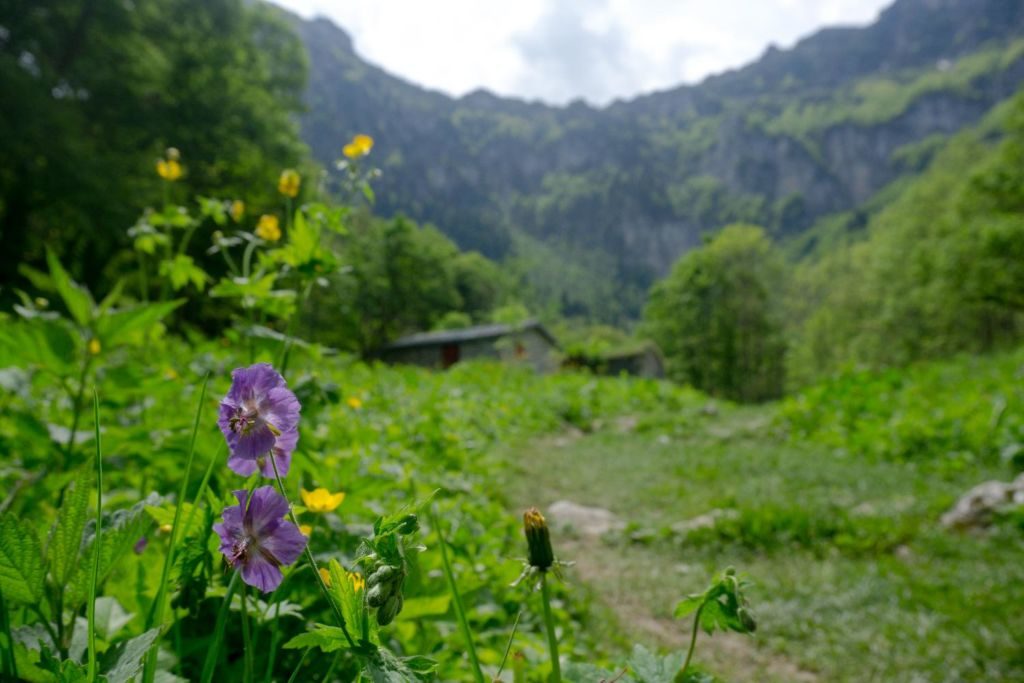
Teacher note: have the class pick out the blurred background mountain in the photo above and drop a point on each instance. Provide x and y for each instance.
(593, 204)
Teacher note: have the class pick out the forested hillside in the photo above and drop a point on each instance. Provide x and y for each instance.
(590, 205)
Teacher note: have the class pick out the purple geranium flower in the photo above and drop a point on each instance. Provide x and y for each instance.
(256, 540)
(259, 417)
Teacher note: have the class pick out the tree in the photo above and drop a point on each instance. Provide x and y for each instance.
(93, 93)
(717, 318)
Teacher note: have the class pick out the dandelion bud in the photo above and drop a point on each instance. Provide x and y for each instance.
(538, 540)
(747, 619)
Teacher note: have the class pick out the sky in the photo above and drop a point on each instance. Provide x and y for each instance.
(561, 50)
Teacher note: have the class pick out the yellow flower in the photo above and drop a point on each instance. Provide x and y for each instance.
(268, 228)
(326, 576)
(306, 530)
(168, 169)
(94, 346)
(170, 374)
(237, 210)
(358, 583)
(359, 147)
(165, 528)
(321, 500)
(288, 183)
(354, 402)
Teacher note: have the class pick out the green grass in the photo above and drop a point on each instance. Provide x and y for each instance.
(854, 578)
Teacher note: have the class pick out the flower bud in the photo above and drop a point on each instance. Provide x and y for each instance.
(387, 613)
(409, 524)
(538, 540)
(747, 619)
(376, 596)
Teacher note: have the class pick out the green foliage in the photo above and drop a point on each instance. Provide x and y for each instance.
(401, 278)
(923, 283)
(957, 412)
(220, 80)
(717, 316)
(62, 550)
(21, 562)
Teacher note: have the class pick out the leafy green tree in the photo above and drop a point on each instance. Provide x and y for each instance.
(93, 93)
(401, 278)
(717, 318)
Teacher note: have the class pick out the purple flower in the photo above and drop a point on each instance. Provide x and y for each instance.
(259, 417)
(256, 541)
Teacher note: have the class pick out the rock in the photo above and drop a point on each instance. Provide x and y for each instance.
(978, 506)
(706, 521)
(565, 515)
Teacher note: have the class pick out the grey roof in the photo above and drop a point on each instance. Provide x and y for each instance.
(476, 333)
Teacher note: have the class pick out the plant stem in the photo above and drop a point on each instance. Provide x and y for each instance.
(295, 674)
(556, 666)
(77, 406)
(508, 648)
(460, 613)
(156, 613)
(247, 652)
(11, 663)
(312, 562)
(693, 642)
(218, 634)
(96, 544)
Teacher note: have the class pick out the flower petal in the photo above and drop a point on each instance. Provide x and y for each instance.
(266, 509)
(258, 572)
(286, 543)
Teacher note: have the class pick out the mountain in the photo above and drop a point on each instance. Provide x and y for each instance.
(592, 204)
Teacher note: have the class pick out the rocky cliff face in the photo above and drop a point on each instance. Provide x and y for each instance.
(796, 135)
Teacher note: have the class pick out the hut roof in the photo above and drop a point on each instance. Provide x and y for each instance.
(475, 333)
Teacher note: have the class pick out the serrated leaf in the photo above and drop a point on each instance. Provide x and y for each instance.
(121, 530)
(383, 666)
(327, 638)
(649, 667)
(65, 545)
(21, 562)
(123, 661)
(77, 299)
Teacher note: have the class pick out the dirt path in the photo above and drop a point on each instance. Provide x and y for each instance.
(627, 579)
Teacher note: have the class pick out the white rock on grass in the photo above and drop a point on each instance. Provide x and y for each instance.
(564, 515)
(976, 508)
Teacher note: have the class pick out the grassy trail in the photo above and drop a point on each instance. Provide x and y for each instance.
(855, 581)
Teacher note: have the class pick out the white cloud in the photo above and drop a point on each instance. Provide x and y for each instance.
(559, 50)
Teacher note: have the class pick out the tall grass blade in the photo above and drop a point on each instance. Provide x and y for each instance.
(97, 542)
(460, 612)
(218, 631)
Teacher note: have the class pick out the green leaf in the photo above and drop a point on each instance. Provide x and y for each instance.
(688, 605)
(117, 328)
(123, 661)
(76, 297)
(121, 530)
(434, 606)
(327, 638)
(110, 617)
(648, 667)
(65, 544)
(383, 666)
(21, 562)
(344, 593)
(182, 270)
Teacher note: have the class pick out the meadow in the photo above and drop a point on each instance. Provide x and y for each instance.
(833, 498)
